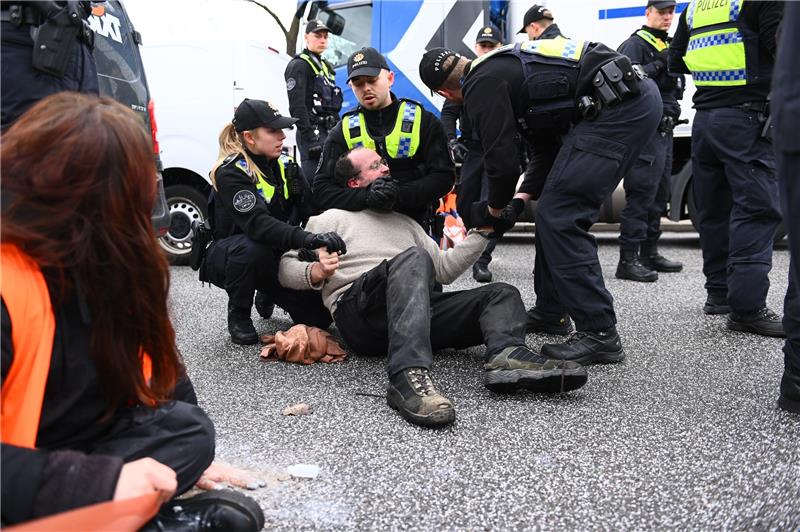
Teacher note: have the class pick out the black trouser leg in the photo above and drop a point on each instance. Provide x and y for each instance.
(309, 164)
(659, 205)
(470, 189)
(789, 172)
(641, 184)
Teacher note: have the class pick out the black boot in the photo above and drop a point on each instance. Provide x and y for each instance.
(652, 260)
(630, 268)
(588, 347)
(716, 303)
(763, 322)
(264, 306)
(481, 273)
(241, 326)
(789, 399)
(218, 510)
(539, 322)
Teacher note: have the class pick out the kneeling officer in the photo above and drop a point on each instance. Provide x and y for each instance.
(259, 200)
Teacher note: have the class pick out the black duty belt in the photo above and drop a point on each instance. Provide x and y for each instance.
(19, 14)
(758, 107)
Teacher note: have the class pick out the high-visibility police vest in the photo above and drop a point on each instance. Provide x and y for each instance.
(716, 53)
(652, 40)
(401, 143)
(30, 311)
(328, 97)
(266, 189)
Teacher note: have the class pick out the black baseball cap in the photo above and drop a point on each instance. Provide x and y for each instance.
(490, 34)
(661, 4)
(366, 62)
(431, 72)
(534, 14)
(251, 114)
(316, 25)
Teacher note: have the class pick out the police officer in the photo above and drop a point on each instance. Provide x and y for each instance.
(648, 184)
(467, 151)
(786, 110)
(314, 97)
(46, 48)
(538, 24)
(259, 200)
(535, 84)
(409, 138)
(729, 48)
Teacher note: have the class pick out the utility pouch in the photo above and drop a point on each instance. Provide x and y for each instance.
(54, 40)
(201, 238)
(616, 81)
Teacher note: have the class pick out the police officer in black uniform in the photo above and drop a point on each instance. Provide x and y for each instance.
(786, 111)
(648, 184)
(259, 200)
(402, 131)
(536, 84)
(729, 48)
(538, 24)
(46, 48)
(314, 98)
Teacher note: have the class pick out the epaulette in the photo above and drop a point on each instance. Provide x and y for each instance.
(229, 158)
(409, 100)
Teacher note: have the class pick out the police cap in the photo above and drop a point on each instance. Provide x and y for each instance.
(431, 71)
(366, 62)
(535, 14)
(489, 33)
(251, 114)
(661, 4)
(316, 25)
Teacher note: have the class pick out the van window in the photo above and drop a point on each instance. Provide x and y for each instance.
(356, 35)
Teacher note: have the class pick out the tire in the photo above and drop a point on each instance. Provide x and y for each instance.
(186, 204)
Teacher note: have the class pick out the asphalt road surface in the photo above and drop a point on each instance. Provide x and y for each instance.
(684, 434)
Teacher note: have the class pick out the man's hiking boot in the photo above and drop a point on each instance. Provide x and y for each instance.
(631, 268)
(539, 322)
(264, 306)
(519, 368)
(241, 326)
(653, 260)
(588, 347)
(412, 393)
(716, 303)
(213, 511)
(763, 322)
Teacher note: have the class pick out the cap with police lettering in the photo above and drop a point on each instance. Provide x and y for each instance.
(535, 14)
(316, 25)
(490, 34)
(251, 114)
(661, 4)
(366, 62)
(431, 71)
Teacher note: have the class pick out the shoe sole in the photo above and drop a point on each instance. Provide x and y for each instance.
(244, 504)
(637, 279)
(744, 327)
(716, 309)
(437, 418)
(604, 357)
(545, 381)
(240, 341)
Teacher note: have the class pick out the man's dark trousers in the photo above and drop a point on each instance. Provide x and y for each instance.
(737, 201)
(589, 166)
(393, 309)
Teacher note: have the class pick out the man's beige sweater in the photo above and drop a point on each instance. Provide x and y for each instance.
(371, 238)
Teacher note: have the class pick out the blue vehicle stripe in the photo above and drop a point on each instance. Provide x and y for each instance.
(626, 12)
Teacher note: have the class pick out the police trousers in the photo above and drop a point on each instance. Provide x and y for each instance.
(392, 309)
(241, 266)
(736, 194)
(474, 187)
(589, 166)
(789, 171)
(307, 163)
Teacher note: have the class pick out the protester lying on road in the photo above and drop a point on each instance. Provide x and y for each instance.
(382, 299)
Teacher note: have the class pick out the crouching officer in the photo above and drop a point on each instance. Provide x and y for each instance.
(527, 86)
(258, 203)
(314, 98)
(648, 184)
(46, 48)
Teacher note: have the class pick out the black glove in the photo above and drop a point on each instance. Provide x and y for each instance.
(512, 211)
(480, 217)
(315, 151)
(661, 61)
(331, 241)
(382, 194)
(458, 151)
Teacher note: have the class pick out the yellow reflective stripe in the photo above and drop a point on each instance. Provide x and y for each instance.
(702, 13)
(652, 40)
(402, 144)
(558, 47)
(316, 70)
(478, 60)
(355, 122)
(717, 58)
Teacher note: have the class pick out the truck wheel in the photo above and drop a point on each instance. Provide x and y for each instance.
(186, 204)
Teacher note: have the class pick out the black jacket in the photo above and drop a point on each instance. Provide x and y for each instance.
(670, 85)
(551, 32)
(759, 22)
(239, 208)
(432, 178)
(300, 88)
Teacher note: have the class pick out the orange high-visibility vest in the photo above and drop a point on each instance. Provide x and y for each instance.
(30, 310)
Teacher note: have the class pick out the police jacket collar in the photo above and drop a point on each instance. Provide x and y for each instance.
(660, 34)
(267, 167)
(383, 120)
(551, 32)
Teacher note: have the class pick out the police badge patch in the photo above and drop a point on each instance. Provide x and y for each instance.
(244, 201)
(290, 83)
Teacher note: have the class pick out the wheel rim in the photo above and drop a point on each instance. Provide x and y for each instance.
(182, 212)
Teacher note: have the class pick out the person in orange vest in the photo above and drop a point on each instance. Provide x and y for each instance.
(96, 404)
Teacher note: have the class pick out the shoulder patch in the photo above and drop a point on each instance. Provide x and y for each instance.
(244, 201)
(290, 84)
(242, 165)
(409, 100)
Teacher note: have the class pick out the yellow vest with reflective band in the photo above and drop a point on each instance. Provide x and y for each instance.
(267, 190)
(715, 54)
(325, 72)
(401, 143)
(556, 48)
(652, 40)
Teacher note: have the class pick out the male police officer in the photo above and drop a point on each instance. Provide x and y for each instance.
(46, 48)
(467, 151)
(729, 48)
(314, 98)
(533, 85)
(786, 106)
(408, 137)
(538, 24)
(648, 184)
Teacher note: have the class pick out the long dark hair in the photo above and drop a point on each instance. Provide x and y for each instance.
(78, 186)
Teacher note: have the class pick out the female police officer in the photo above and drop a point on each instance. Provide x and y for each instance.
(259, 200)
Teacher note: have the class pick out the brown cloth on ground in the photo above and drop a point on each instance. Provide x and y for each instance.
(303, 345)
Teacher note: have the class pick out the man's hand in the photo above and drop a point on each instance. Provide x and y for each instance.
(144, 476)
(218, 473)
(332, 241)
(481, 216)
(326, 266)
(382, 194)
